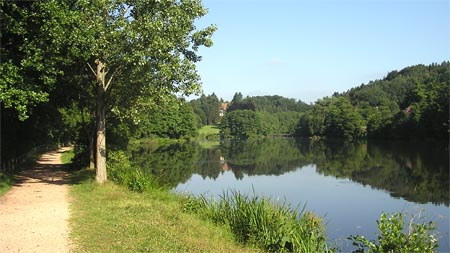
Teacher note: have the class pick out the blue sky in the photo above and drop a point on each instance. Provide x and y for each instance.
(309, 49)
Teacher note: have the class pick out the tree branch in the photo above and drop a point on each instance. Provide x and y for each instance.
(95, 74)
(111, 77)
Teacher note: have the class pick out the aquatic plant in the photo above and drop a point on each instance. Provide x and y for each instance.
(395, 238)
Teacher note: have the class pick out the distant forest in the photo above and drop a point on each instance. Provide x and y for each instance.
(412, 103)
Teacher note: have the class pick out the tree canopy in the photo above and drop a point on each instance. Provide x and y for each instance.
(261, 116)
(410, 103)
(138, 53)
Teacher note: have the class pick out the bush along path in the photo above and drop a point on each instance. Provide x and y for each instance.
(34, 213)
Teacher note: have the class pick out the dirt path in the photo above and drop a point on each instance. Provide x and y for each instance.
(34, 213)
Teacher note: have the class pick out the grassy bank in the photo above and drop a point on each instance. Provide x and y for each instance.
(209, 132)
(260, 221)
(111, 218)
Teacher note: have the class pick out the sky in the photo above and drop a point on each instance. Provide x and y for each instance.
(310, 49)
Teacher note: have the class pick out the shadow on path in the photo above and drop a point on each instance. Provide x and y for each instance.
(48, 169)
(34, 213)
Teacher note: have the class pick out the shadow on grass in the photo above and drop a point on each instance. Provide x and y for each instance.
(81, 176)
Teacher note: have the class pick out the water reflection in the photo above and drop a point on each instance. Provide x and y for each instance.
(417, 173)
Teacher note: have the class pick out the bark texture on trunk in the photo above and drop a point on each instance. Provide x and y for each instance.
(91, 152)
(101, 175)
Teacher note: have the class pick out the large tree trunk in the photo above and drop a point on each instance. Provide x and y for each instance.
(101, 175)
(91, 151)
(90, 137)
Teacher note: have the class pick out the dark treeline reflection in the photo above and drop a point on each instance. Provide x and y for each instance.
(417, 172)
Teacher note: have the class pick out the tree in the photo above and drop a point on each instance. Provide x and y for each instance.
(136, 50)
(241, 124)
(28, 70)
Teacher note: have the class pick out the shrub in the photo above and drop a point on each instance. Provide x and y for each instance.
(274, 227)
(395, 238)
(121, 172)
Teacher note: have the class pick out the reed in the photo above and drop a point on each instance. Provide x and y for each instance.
(270, 225)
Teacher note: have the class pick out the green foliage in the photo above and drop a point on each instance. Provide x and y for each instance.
(145, 52)
(275, 115)
(274, 227)
(270, 104)
(28, 67)
(121, 172)
(207, 109)
(6, 180)
(173, 120)
(240, 124)
(411, 103)
(394, 238)
(332, 117)
(168, 164)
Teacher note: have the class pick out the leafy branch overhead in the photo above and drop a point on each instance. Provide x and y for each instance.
(138, 52)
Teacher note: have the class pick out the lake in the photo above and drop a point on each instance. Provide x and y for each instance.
(349, 184)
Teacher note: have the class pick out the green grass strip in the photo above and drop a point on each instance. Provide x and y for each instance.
(111, 218)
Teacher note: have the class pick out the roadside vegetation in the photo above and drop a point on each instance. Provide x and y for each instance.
(6, 181)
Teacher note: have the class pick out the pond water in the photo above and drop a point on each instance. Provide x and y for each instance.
(349, 184)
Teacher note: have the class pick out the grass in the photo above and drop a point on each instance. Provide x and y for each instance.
(111, 218)
(67, 156)
(6, 181)
(258, 221)
(209, 132)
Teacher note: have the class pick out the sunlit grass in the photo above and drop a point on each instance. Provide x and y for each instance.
(209, 132)
(110, 218)
(258, 221)
(67, 156)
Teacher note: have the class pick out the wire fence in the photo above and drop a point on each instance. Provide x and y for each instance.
(16, 163)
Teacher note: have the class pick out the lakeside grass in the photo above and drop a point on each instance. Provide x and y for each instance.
(111, 218)
(260, 221)
(209, 132)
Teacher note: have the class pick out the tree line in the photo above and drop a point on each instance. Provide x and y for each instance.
(412, 103)
(261, 116)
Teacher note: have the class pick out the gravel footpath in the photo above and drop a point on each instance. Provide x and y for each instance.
(34, 213)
